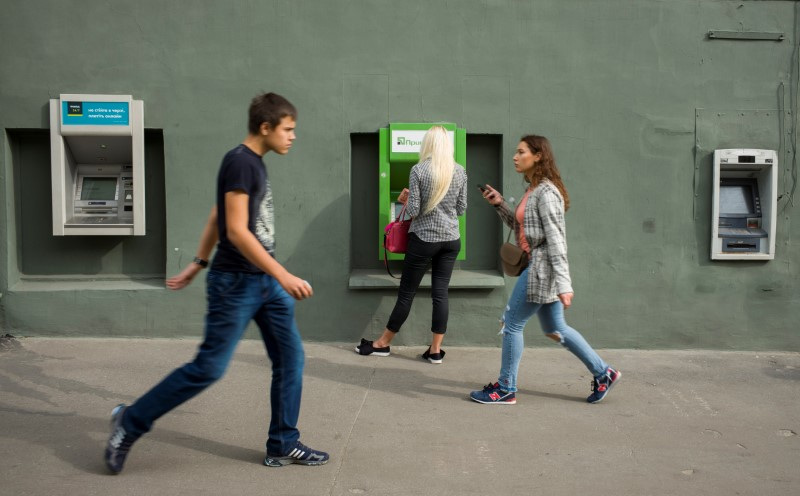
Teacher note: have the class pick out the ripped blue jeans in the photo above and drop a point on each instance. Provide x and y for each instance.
(551, 317)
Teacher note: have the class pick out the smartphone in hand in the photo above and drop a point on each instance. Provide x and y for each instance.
(482, 188)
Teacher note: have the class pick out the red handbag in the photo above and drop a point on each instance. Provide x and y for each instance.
(395, 237)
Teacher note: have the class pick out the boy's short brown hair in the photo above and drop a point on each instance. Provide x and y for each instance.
(269, 108)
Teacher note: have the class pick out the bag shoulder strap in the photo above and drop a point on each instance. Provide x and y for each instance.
(513, 229)
(386, 259)
(402, 213)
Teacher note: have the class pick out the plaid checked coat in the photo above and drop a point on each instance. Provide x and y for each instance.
(441, 223)
(545, 231)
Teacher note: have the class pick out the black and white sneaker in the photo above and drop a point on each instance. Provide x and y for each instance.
(300, 454)
(119, 442)
(433, 357)
(366, 348)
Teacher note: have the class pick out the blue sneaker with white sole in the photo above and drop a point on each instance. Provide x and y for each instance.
(491, 394)
(602, 385)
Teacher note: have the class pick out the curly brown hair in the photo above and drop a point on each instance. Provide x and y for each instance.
(546, 167)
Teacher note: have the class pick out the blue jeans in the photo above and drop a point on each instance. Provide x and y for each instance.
(441, 257)
(551, 318)
(233, 299)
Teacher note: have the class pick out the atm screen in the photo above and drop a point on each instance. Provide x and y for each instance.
(99, 188)
(736, 199)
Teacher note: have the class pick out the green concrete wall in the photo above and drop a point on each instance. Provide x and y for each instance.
(632, 93)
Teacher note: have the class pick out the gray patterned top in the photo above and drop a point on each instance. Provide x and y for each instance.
(441, 223)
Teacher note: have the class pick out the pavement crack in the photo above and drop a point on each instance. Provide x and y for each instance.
(350, 433)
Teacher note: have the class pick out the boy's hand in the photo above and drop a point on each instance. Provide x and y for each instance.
(492, 196)
(299, 289)
(185, 277)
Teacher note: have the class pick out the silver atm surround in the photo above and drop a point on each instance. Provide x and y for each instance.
(108, 133)
(744, 204)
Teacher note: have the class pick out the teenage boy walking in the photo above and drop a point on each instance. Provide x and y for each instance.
(244, 282)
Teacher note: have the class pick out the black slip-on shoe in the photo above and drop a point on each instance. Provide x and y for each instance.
(366, 348)
(433, 357)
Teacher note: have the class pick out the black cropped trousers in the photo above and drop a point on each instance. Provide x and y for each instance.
(441, 257)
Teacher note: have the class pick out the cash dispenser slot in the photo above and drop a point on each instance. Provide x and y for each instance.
(741, 245)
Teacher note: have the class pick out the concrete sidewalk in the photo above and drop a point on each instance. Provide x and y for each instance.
(678, 423)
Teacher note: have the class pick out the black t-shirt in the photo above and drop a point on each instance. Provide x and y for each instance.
(243, 169)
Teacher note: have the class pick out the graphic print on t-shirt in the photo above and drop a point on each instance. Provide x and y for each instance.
(265, 222)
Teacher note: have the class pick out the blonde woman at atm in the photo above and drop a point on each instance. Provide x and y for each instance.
(436, 196)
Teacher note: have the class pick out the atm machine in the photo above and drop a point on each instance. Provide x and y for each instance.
(399, 148)
(744, 204)
(97, 165)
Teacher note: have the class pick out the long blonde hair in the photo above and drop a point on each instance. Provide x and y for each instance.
(438, 147)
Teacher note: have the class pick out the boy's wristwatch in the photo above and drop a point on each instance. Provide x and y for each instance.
(199, 261)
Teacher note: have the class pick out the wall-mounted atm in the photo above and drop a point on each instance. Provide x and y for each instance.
(745, 204)
(399, 148)
(97, 165)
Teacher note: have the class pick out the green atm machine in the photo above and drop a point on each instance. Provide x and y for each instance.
(399, 151)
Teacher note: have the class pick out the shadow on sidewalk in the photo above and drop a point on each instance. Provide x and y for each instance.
(77, 440)
(406, 382)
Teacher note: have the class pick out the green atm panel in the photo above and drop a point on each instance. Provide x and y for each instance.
(399, 151)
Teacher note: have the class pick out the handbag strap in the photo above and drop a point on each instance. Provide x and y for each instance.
(402, 212)
(514, 228)
(386, 259)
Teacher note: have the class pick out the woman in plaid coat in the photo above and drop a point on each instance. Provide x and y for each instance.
(544, 288)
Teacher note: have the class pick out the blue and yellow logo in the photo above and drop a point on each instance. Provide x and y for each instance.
(75, 109)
